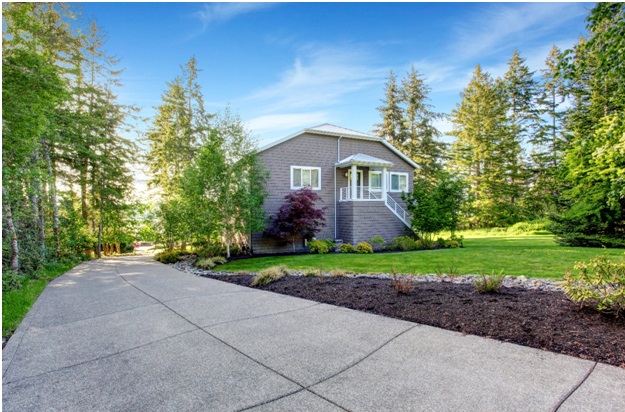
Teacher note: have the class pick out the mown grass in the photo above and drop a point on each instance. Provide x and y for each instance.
(536, 256)
(17, 303)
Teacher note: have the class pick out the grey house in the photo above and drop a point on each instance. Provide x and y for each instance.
(359, 177)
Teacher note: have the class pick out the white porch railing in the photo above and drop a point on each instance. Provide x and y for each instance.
(398, 210)
(362, 193)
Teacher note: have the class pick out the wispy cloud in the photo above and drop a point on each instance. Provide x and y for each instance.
(320, 77)
(284, 121)
(220, 12)
(498, 28)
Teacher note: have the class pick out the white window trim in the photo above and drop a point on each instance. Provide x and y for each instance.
(375, 172)
(390, 182)
(305, 168)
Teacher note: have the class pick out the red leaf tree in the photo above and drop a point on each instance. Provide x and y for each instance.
(298, 216)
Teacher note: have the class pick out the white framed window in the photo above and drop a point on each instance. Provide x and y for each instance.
(305, 176)
(375, 180)
(399, 182)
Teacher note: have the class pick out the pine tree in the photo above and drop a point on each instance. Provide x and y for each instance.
(481, 151)
(520, 91)
(179, 128)
(421, 144)
(393, 127)
(594, 163)
(549, 143)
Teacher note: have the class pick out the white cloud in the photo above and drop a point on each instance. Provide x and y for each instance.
(284, 121)
(217, 12)
(499, 28)
(320, 77)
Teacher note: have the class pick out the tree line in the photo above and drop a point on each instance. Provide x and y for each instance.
(527, 145)
(66, 176)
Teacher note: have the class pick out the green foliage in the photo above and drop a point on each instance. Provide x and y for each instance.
(377, 242)
(266, 276)
(331, 245)
(318, 246)
(594, 165)
(347, 248)
(168, 257)
(403, 243)
(11, 280)
(435, 207)
(225, 184)
(488, 283)
(599, 284)
(364, 247)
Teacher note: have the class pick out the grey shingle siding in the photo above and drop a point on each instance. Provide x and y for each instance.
(322, 151)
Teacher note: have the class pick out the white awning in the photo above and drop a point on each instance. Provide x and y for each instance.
(360, 159)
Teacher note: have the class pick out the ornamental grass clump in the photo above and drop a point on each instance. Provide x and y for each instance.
(271, 274)
(206, 263)
(599, 284)
(488, 283)
(168, 257)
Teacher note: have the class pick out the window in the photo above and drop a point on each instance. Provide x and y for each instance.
(399, 182)
(303, 176)
(375, 180)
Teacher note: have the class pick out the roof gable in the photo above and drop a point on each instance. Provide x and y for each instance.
(337, 131)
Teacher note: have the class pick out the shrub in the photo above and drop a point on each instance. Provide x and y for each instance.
(331, 245)
(377, 242)
(364, 247)
(11, 280)
(167, 257)
(271, 274)
(205, 263)
(488, 283)
(338, 273)
(403, 243)
(129, 248)
(600, 284)
(425, 244)
(318, 246)
(347, 248)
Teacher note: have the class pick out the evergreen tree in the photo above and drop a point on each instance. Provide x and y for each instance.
(595, 159)
(179, 128)
(421, 144)
(393, 127)
(482, 151)
(549, 143)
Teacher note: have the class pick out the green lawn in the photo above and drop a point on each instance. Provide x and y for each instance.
(17, 303)
(532, 256)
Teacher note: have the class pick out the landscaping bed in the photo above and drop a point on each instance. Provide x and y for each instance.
(536, 318)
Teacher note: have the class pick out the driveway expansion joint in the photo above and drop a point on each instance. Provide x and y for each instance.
(98, 358)
(575, 388)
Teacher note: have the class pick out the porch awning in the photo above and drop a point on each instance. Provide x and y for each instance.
(360, 159)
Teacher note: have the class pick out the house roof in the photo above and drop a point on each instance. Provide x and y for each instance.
(337, 131)
(363, 160)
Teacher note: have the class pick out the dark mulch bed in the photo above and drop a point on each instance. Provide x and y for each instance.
(539, 319)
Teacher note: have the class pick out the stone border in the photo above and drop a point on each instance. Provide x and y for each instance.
(508, 281)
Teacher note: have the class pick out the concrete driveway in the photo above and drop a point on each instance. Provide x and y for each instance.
(130, 334)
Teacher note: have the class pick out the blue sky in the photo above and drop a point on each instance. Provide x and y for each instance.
(286, 66)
